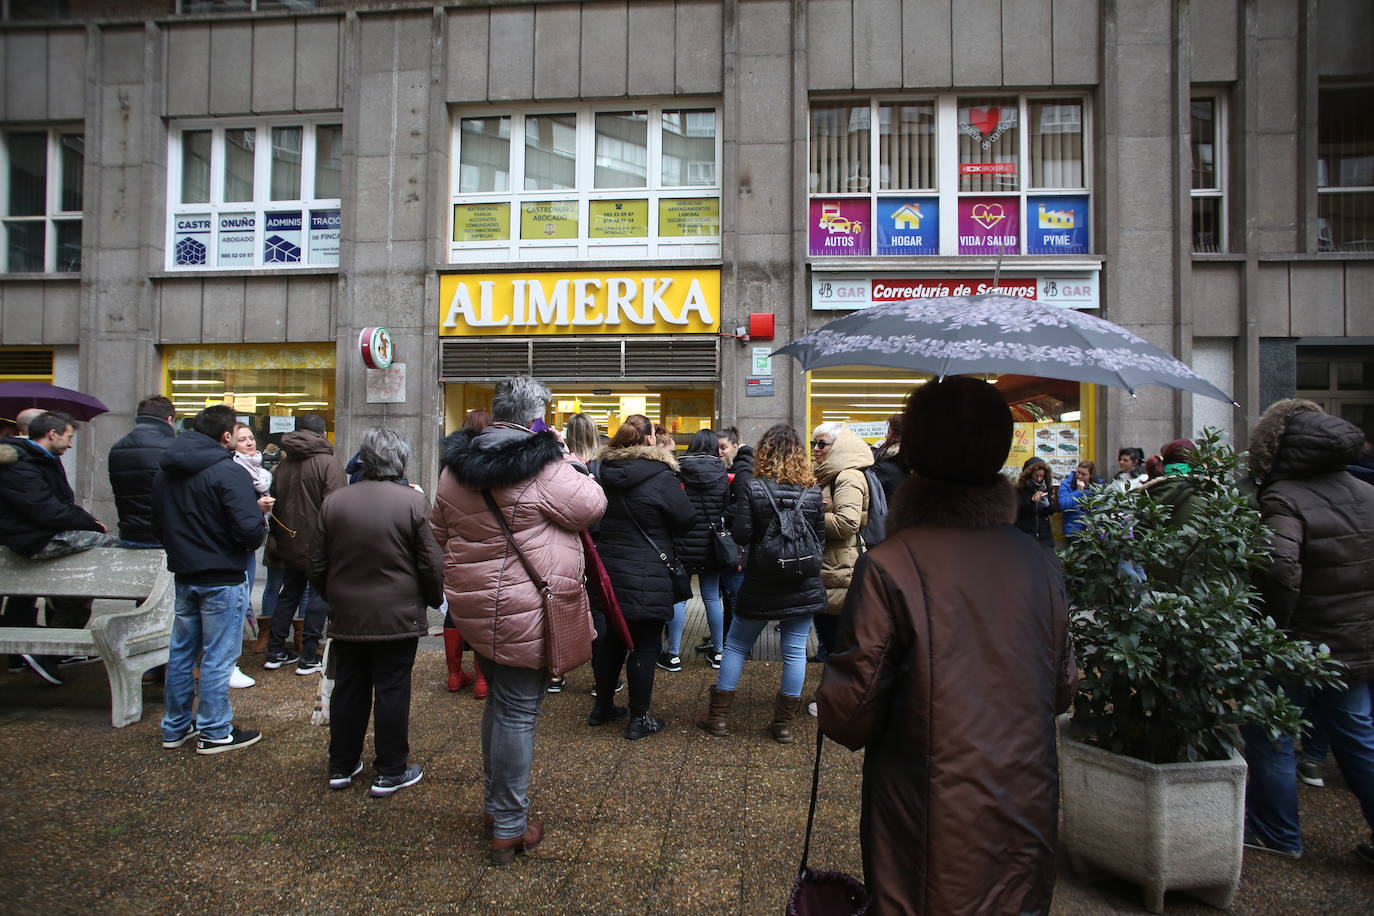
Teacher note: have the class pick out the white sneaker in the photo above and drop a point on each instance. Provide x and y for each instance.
(238, 679)
(811, 710)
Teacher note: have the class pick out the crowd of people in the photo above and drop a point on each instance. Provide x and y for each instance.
(538, 539)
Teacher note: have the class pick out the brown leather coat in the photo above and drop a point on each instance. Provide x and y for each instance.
(955, 662)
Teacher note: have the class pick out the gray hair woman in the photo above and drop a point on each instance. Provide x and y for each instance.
(379, 567)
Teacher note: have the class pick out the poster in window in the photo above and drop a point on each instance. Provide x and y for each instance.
(618, 219)
(909, 225)
(238, 237)
(1057, 225)
(324, 237)
(839, 226)
(191, 239)
(548, 219)
(281, 243)
(989, 225)
(481, 222)
(679, 217)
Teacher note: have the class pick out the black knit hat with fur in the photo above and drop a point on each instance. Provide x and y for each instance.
(957, 430)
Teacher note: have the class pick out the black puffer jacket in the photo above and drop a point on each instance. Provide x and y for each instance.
(761, 597)
(644, 480)
(205, 512)
(36, 501)
(707, 486)
(133, 464)
(1321, 582)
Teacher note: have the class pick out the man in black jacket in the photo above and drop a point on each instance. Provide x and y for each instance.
(208, 517)
(133, 464)
(39, 519)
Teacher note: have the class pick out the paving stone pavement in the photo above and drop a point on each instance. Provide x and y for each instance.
(102, 820)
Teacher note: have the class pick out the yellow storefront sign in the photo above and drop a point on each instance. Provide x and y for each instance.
(618, 219)
(548, 219)
(580, 302)
(481, 222)
(684, 216)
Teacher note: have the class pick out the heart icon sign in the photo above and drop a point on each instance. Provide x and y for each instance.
(988, 215)
(984, 120)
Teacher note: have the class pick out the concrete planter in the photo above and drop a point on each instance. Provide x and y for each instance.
(1167, 827)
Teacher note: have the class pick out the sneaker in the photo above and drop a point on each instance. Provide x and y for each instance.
(281, 657)
(73, 660)
(812, 710)
(342, 779)
(704, 647)
(556, 684)
(237, 738)
(1255, 841)
(1365, 853)
(619, 686)
(1311, 772)
(669, 662)
(238, 679)
(714, 658)
(643, 726)
(599, 716)
(42, 666)
(310, 664)
(174, 743)
(383, 786)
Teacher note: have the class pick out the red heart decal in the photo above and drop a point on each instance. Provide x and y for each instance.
(985, 120)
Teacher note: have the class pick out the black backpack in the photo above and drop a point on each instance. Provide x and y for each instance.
(789, 548)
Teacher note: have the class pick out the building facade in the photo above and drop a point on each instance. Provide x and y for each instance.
(627, 197)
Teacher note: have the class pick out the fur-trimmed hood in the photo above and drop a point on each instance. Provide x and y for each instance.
(922, 502)
(1295, 439)
(501, 455)
(627, 468)
(9, 452)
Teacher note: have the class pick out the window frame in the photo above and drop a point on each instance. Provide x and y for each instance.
(52, 212)
(1329, 189)
(946, 167)
(262, 201)
(651, 246)
(249, 6)
(1220, 162)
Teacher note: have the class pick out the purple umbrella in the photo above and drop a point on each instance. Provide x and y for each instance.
(17, 396)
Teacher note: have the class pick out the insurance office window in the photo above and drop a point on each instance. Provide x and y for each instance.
(42, 200)
(948, 175)
(1206, 141)
(254, 195)
(564, 184)
(1345, 169)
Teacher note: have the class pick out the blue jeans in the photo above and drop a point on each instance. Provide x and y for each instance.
(508, 721)
(209, 624)
(744, 633)
(709, 583)
(1271, 795)
(1315, 744)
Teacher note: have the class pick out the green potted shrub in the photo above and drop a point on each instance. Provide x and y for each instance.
(1175, 651)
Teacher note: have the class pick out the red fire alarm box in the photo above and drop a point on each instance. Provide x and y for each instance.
(761, 326)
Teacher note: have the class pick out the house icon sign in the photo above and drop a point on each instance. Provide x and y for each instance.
(907, 216)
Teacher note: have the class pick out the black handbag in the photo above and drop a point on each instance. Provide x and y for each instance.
(724, 548)
(681, 578)
(823, 893)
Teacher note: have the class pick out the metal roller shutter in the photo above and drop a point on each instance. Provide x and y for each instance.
(649, 359)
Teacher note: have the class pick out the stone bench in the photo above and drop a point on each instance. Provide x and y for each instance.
(129, 642)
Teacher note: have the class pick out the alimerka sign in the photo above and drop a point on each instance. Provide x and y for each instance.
(580, 302)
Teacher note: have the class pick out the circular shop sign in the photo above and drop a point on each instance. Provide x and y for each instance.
(376, 348)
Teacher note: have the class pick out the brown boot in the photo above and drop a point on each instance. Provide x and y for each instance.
(264, 634)
(784, 711)
(713, 720)
(503, 851)
(299, 627)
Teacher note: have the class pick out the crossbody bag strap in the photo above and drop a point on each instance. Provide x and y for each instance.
(642, 533)
(537, 579)
(811, 811)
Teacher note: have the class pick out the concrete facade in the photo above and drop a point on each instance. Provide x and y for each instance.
(395, 71)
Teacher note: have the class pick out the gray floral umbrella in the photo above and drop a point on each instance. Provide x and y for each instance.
(970, 335)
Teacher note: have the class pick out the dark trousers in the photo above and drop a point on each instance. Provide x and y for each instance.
(293, 585)
(639, 663)
(364, 671)
(827, 630)
(68, 613)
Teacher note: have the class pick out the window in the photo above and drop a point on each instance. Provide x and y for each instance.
(41, 193)
(243, 6)
(637, 181)
(1206, 130)
(1345, 169)
(946, 175)
(254, 195)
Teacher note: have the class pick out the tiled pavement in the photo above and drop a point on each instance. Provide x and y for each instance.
(98, 820)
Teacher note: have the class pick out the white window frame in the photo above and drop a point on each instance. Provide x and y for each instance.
(1220, 157)
(262, 179)
(1326, 245)
(52, 195)
(583, 247)
(947, 164)
(247, 6)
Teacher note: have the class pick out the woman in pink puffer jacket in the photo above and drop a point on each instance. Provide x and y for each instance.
(546, 497)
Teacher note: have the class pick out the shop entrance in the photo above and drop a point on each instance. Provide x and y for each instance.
(682, 409)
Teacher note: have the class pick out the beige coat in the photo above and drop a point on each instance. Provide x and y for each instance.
(846, 490)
